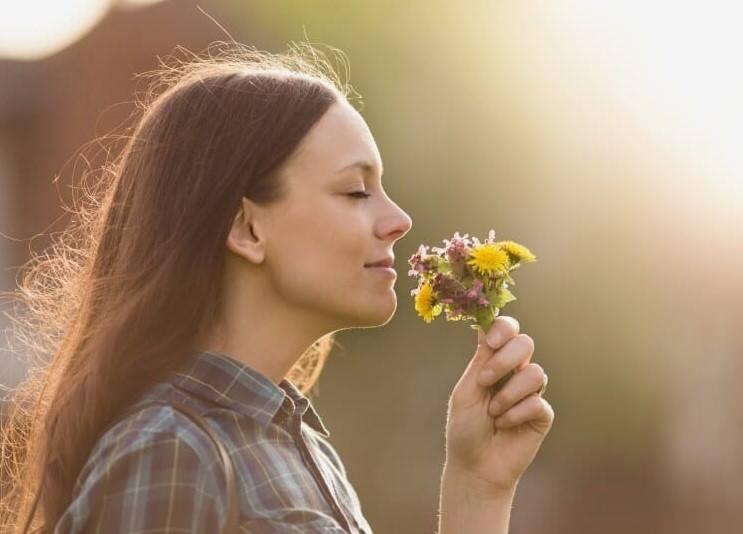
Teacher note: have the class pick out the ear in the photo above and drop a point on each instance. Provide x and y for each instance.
(246, 237)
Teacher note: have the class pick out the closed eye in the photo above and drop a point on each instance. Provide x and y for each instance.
(359, 194)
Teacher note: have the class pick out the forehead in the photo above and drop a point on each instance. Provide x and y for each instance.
(340, 138)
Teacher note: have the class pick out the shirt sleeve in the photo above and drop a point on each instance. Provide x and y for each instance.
(163, 477)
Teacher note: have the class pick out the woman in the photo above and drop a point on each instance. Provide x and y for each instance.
(231, 239)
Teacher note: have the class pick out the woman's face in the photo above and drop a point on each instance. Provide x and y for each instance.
(320, 236)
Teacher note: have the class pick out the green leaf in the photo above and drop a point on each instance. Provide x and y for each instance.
(492, 294)
(508, 277)
(484, 318)
(501, 298)
(444, 267)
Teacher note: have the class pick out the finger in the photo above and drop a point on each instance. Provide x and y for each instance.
(467, 391)
(533, 410)
(503, 328)
(544, 386)
(525, 382)
(515, 354)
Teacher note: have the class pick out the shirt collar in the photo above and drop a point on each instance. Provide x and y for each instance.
(226, 381)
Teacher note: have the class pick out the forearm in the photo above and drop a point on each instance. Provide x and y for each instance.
(465, 508)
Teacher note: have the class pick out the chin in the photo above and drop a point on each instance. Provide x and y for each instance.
(382, 313)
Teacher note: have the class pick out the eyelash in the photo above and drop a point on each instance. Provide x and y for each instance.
(364, 193)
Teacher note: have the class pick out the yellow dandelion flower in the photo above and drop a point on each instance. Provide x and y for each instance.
(489, 258)
(519, 251)
(424, 303)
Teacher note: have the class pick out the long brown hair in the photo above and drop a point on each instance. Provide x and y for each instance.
(134, 279)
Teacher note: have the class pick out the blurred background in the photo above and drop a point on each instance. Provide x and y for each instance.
(606, 137)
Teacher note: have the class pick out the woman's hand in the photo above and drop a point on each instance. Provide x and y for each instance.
(492, 437)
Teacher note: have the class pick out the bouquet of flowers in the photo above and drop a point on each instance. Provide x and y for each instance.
(467, 279)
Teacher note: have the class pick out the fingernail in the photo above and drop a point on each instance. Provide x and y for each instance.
(487, 377)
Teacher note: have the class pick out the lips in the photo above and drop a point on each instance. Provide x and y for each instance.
(384, 262)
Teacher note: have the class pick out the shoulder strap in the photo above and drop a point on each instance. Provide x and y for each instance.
(233, 509)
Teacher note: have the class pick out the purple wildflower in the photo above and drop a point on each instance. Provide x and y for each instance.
(421, 262)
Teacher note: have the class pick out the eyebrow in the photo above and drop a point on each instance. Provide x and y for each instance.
(364, 165)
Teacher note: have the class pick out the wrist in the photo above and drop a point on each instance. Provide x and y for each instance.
(474, 488)
(469, 505)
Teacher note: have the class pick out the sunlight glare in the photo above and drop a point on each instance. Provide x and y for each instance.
(34, 29)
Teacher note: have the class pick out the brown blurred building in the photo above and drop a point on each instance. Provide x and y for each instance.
(51, 108)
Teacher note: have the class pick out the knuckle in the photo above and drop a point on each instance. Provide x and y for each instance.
(526, 341)
(503, 398)
(502, 416)
(500, 367)
(546, 408)
(512, 323)
(532, 406)
(537, 371)
(493, 339)
(503, 329)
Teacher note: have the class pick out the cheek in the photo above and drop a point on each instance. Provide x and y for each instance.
(341, 291)
(323, 249)
(318, 269)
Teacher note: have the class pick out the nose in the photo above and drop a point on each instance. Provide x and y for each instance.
(406, 224)
(398, 225)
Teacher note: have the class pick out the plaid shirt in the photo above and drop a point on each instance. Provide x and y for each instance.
(155, 471)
